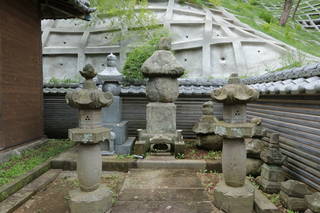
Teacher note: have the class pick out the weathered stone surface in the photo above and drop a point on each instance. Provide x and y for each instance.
(254, 147)
(97, 201)
(313, 202)
(295, 188)
(161, 118)
(89, 166)
(234, 199)
(234, 162)
(293, 203)
(267, 186)
(234, 92)
(272, 154)
(162, 89)
(89, 136)
(262, 204)
(272, 173)
(234, 130)
(165, 43)
(162, 63)
(210, 141)
(253, 166)
(309, 211)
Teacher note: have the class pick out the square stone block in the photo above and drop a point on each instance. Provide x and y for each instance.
(293, 203)
(97, 201)
(140, 148)
(234, 199)
(272, 173)
(113, 113)
(179, 148)
(234, 130)
(161, 118)
(120, 129)
(267, 186)
(87, 136)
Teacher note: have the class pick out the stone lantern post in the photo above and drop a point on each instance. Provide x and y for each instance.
(162, 70)
(233, 195)
(91, 196)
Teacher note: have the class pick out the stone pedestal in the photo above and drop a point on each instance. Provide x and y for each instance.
(234, 199)
(112, 115)
(313, 202)
(161, 136)
(233, 194)
(91, 196)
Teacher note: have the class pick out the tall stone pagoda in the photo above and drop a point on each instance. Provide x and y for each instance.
(162, 71)
(91, 196)
(233, 194)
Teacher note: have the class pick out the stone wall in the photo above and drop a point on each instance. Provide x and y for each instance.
(20, 73)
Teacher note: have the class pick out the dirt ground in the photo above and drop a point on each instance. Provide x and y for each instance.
(52, 199)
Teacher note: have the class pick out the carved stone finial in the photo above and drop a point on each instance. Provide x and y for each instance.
(88, 72)
(111, 60)
(234, 92)
(165, 43)
(207, 108)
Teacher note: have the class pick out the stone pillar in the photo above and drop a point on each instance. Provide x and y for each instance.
(162, 71)
(112, 115)
(233, 195)
(271, 172)
(91, 196)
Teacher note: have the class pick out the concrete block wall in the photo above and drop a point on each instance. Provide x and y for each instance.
(209, 43)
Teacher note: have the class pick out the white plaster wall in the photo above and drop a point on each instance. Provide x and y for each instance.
(209, 43)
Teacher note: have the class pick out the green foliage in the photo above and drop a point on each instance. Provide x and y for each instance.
(27, 160)
(291, 211)
(138, 55)
(180, 156)
(213, 155)
(266, 16)
(54, 80)
(201, 2)
(275, 199)
(122, 157)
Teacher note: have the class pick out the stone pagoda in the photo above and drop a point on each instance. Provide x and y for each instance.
(272, 173)
(91, 196)
(111, 78)
(162, 89)
(204, 129)
(233, 194)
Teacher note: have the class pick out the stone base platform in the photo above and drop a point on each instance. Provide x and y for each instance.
(97, 201)
(234, 199)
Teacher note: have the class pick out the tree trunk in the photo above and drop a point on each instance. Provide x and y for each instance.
(296, 9)
(286, 12)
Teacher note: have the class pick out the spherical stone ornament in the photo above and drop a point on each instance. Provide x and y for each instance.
(162, 89)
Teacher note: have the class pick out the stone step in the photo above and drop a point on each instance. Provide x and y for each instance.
(21, 196)
(166, 206)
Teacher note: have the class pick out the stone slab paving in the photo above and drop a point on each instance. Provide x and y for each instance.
(163, 190)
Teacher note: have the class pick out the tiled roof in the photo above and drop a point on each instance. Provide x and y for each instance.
(187, 87)
(300, 80)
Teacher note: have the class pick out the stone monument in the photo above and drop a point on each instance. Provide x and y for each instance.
(271, 172)
(91, 196)
(162, 71)
(204, 129)
(112, 115)
(313, 203)
(292, 195)
(233, 194)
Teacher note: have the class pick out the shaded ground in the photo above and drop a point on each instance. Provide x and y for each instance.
(52, 199)
(170, 191)
(195, 153)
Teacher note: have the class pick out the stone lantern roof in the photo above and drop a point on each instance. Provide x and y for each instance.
(89, 97)
(162, 63)
(234, 92)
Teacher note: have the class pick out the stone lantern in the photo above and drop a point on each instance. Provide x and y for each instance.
(111, 79)
(162, 71)
(91, 196)
(233, 195)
